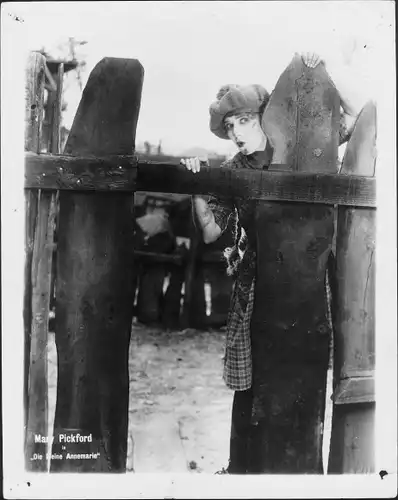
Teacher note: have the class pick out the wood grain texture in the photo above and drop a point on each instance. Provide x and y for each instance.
(353, 432)
(38, 241)
(34, 96)
(355, 315)
(41, 288)
(126, 174)
(55, 136)
(355, 259)
(95, 277)
(274, 185)
(30, 229)
(289, 327)
(83, 173)
(302, 111)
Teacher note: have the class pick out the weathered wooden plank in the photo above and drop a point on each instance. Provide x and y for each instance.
(41, 287)
(95, 279)
(301, 111)
(190, 270)
(355, 315)
(34, 95)
(30, 229)
(277, 185)
(126, 174)
(83, 173)
(355, 390)
(215, 257)
(289, 326)
(54, 105)
(55, 136)
(52, 84)
(38, 239)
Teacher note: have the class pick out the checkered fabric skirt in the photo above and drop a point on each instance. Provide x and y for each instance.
(238, 360)
(238, 356)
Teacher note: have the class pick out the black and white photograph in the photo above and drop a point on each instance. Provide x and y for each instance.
(199, 249)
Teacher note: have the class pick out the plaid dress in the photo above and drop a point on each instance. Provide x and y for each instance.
(237, 371)
(237, 359)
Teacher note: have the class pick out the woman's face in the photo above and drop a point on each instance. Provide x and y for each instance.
(245, 132)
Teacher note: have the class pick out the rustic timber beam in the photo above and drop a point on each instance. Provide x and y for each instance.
(214, 257)
(127, 174)
(39, 232)
(159, 257)
(80, 173)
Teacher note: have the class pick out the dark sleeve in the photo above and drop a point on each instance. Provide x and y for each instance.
(222, 209)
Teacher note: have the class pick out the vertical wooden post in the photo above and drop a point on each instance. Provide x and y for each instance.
(190, 270)
(94, 282)
(55, 148)
(352, 441)
(290, 331)
(55, 112)
(39, 243)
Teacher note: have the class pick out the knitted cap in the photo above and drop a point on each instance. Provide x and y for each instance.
(235, 98)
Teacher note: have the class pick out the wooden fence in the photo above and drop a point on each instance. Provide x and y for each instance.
(92, 182)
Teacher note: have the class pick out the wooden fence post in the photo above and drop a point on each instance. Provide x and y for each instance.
(352, 441)
(55, 148)
(55, 112)
(290, 331)
(94, 281)
(190, 272)
(39, 246)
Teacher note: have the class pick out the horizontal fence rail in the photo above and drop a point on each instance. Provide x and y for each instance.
(128, 174)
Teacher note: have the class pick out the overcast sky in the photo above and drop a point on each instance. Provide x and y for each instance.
(190, 49)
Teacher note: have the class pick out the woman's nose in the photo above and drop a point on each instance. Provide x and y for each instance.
(237, 131)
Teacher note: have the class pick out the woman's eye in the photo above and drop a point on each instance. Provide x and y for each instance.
(243, 119)
(228, 126)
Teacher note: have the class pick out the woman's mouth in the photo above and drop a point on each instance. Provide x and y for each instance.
(240, 144)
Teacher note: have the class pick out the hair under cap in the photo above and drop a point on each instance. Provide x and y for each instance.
(235, 98)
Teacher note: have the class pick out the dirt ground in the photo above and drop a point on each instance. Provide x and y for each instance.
(179, 415)
(180, 408)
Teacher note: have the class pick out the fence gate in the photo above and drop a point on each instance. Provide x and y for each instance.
(93, 182)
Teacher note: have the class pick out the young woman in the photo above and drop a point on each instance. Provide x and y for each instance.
(236, 116)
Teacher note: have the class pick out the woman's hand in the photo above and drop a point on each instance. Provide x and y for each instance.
(211, 231)
(310, 59)
(194, 164)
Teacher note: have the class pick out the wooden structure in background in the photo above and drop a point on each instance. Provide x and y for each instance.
(43, 126)
(352, 444)
(52, 130)
(95, 181)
